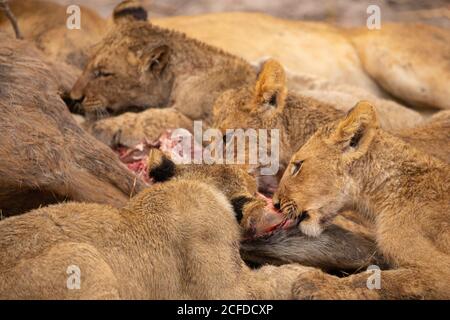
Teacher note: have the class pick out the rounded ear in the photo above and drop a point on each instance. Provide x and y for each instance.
(355, 132)
(270, 89)
(129, 10)
(155, 59)
(160, 167)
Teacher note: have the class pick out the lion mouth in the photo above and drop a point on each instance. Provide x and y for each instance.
(273, 221)
(283, 226)
(99, 109)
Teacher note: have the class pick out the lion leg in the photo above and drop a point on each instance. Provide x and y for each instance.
(393, 284)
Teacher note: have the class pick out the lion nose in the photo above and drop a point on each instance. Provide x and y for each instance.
(276, 201)
(277, 205)
(74, 103)
(303, 216)
(76, 98)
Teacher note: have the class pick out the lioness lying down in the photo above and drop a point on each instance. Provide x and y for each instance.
(394, 57)
(156, 247)
(352, 162)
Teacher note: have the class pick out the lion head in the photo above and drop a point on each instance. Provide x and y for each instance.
(253, 107)
(268, 105)
(130, 69)
(319, 180)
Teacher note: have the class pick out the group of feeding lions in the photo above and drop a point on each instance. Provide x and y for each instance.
(363, 180)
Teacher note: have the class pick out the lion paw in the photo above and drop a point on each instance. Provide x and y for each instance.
(314, 285)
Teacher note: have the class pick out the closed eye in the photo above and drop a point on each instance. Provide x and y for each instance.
(296, 166)
(102, 73)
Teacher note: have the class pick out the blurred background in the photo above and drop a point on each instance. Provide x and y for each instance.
(341, 12)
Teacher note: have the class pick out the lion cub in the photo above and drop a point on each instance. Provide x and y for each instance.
(353, 162)
(138, 66)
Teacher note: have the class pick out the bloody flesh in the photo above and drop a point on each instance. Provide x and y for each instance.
(136, 160)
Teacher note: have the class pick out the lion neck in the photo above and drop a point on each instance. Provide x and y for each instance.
(393, 175)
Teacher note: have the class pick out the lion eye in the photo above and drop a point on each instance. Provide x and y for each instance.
(101, 73)
(296, 166)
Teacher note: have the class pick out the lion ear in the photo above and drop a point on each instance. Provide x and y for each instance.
(270, 89)
(155, 59)
(356, 131)
(129, 10)
(160, 167)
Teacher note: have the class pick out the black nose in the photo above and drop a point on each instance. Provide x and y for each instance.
(78, 99)
(74, 105)
(277, 205)
(303, 216)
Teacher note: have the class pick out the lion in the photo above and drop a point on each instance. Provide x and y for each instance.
(264, 229)
(161, 68)
(389, 61)
(351, 162)
(302, 46)
(269, 104)
(45, 157)
(111, 85)
(158, 246)
(247, 36)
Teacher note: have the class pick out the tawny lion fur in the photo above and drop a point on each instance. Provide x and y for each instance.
(393, 58)
(156, 247)
(164, 67)
(353, 163)
(161, 68)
